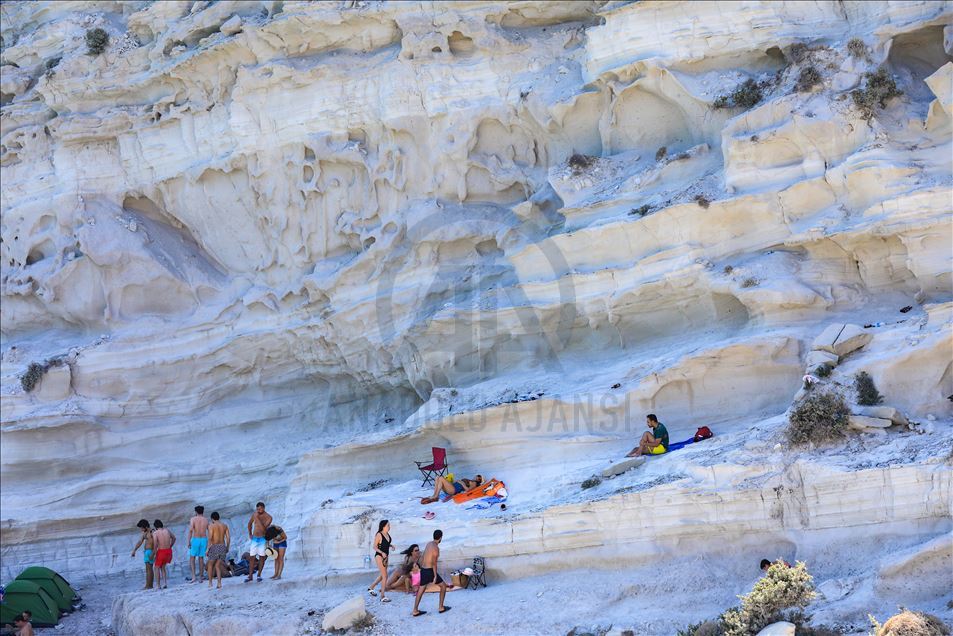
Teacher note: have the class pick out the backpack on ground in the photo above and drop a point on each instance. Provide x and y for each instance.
(703, 433)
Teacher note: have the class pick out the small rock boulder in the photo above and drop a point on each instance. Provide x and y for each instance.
(621, 467)
(884, 413)
(782, 628)
(825, 341)
(345, 614)
(861, 422)
(817, 358)
(835, 589)
(851, 338)
(231, 26)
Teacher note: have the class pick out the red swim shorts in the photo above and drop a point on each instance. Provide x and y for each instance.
(163, 557)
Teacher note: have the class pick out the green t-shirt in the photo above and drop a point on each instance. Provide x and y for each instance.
(660, 432)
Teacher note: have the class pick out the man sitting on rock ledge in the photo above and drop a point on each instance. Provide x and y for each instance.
(654, 442)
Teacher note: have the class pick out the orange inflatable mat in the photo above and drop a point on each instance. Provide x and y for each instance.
(486, 489)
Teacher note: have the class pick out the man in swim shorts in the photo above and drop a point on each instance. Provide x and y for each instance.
(429, 574)
(197, 540)
(259, 522)
(164, 540)
(451, 488)
(148, 550)
(654, 442)
(219, 542)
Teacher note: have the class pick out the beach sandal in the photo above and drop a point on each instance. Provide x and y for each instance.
(430, 514)
(385, 600)
(419, 613)
(372, 592)
(446, 608)
(259, 579)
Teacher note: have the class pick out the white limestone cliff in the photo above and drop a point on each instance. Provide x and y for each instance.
(280, 249)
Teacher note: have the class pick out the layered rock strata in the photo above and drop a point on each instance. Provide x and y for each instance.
(276, 250)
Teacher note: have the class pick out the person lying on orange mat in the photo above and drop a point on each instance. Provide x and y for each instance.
(451, 487)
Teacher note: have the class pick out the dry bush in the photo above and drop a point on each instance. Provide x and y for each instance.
(702, 201)
(579, 162)
(35, 372)
(879, 87)
(363, 623)
(819, 417)
(797, 52)
(808, 79)
(751, 281)
(33, 375)
(911, 623)
(661, 153)
(746, 95)
(705, 628)
(823, 370)
(857, 48)
(592, 482)
(641, 210)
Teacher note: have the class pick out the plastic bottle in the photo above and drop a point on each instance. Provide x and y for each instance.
(367, 562)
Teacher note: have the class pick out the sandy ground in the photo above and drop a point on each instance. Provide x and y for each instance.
(650, 599)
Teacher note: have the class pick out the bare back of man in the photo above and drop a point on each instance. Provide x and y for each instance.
(216, 533)
(163, 539)
(199, 525)
(218, 543)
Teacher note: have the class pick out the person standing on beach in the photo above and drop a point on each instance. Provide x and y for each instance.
(164, 540)
(259, 522)
(148, 550)
(429, 574)
(382, 547)
(279, 542)
(219, 540)
(197, 541)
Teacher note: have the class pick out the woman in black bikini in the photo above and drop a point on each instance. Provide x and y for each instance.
(382, 548)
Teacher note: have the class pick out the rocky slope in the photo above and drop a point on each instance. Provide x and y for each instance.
(276, 250)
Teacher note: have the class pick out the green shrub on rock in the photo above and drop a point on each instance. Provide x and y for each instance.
(781, 588)
(867, 393)
(96, 41)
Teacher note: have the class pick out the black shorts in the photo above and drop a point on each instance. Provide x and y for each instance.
(427, 576)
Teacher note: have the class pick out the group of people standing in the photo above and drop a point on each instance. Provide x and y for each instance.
(417, 570)
(209, 542)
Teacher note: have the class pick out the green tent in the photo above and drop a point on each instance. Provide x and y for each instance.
(27, 595)
(54, 585)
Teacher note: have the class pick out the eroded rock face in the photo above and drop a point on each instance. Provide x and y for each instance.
(289, 247)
